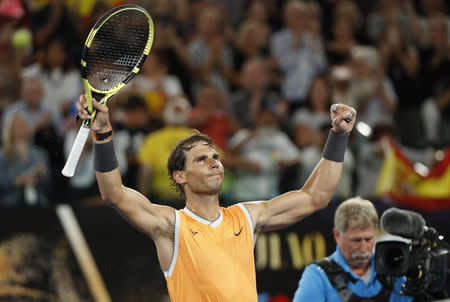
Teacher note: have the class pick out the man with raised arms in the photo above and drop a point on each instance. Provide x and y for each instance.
(206, 251)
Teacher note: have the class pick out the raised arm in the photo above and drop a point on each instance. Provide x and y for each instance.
(155, 220)
(289, 208)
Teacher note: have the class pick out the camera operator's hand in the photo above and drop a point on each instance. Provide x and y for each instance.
(343, 118)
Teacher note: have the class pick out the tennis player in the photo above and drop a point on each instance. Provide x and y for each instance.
(206, 251)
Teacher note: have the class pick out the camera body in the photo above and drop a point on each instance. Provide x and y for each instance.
(423, 262)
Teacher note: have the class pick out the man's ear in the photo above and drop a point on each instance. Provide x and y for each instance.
(337, 236)
(179, 177)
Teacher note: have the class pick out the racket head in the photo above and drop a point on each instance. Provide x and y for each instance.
(115, 50)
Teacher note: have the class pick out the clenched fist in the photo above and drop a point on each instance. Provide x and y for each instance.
(343, 118)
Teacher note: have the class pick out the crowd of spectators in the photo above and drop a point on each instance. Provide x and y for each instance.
(259, 77)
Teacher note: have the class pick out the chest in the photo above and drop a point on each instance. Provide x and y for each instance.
(206, 245)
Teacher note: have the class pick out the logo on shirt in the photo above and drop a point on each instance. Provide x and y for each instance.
(237, 234)
(193, 233)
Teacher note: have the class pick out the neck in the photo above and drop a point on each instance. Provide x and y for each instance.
(210, 38)
(205, 206)
(298, 32)
(21, 144)
(251, 50)
(32, 108)
(257, 91)
(21, 149)
(360, 271)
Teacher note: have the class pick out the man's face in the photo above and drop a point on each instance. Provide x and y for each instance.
(438, 34)
(32, 92)
(356, 244)
(254, 75)
(209, 98)
(203, 171)
(294, 17)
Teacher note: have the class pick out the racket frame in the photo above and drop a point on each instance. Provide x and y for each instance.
(80, 141)
(109, 93)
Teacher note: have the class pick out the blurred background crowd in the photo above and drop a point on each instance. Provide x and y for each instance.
(257, 76)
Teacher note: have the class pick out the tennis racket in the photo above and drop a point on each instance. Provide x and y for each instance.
(113, 53)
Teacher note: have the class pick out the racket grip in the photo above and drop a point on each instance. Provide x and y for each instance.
(75, 153)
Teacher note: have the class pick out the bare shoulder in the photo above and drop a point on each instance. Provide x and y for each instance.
(255, 208)
(281, 211)
(255, 205)
(164, 218)
(165, 212)
(151, 218)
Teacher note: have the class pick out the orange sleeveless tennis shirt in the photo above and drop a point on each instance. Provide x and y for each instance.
(213, 261)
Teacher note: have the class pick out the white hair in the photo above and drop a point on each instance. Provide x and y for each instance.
(356, 209)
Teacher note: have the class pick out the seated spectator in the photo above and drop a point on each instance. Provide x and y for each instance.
(435, 70)
(156, 148)
(251, 42)
(299, 60)
(400, 60)
(38, 115)
(43, 122)
(154, 83)
(420, 18)
(211, 117)
(169, 30)
(131, 127)
(340, 77)
(313, 25)
(387, 13)
(259, 12)
(372, 90)
(25, 168)
(266, 151)
(211, 57)
(255, 92)
(310, 129)
(306, 122)
(54, 19)
(344, 28)
(61, 81)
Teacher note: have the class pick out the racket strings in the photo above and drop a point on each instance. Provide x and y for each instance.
(116, 49)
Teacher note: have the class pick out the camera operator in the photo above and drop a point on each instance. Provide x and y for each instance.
(348, 274)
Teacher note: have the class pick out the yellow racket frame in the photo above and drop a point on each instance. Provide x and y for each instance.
(109, 93)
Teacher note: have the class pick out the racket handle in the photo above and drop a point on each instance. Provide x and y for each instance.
(75, 153)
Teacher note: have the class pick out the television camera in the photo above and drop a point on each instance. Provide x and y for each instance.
(419, 254)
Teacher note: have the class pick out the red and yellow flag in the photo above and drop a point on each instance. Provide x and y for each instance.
(399, 181)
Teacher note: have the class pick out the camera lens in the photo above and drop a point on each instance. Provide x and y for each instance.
(394, 257)
(391, 258)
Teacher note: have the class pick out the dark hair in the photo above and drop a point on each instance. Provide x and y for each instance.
(177, 159)
(67, 63)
